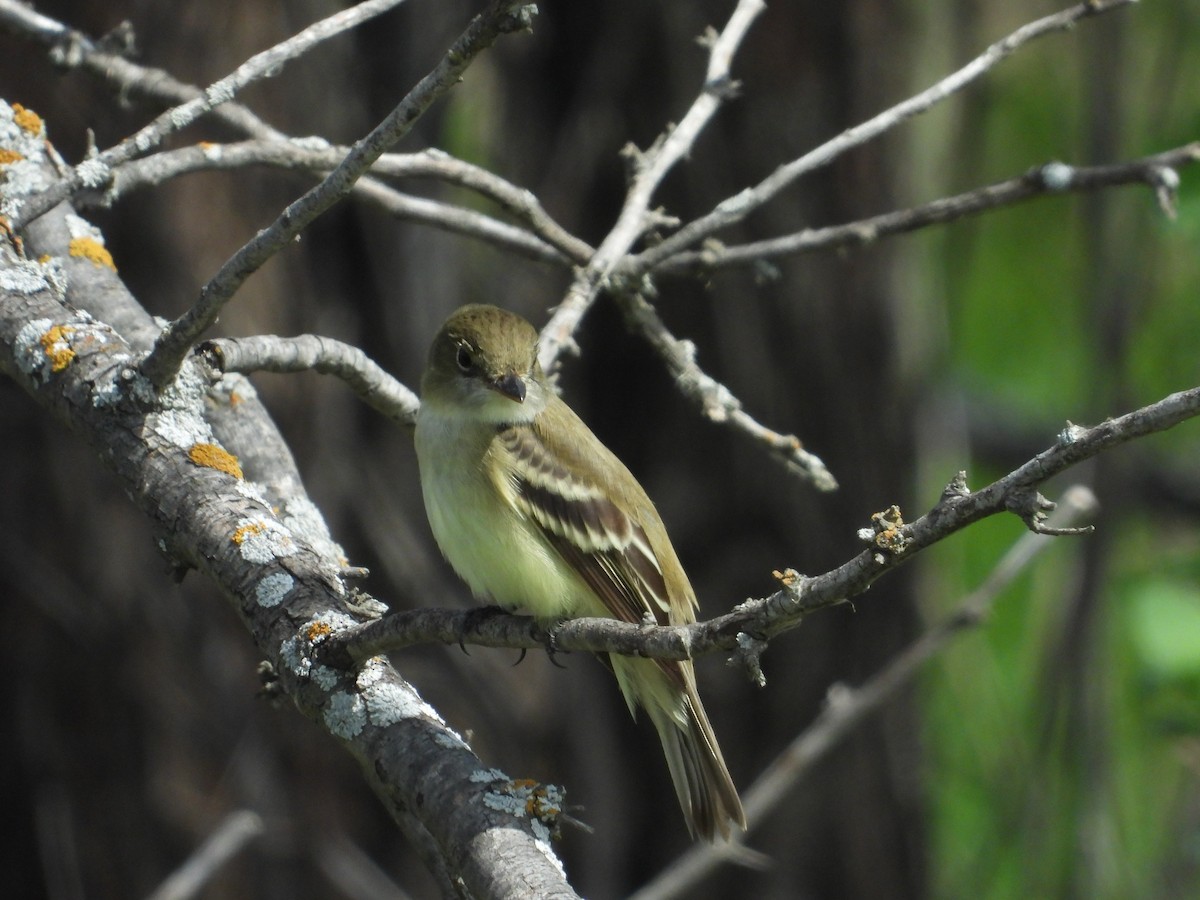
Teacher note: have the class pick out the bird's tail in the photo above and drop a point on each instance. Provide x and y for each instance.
(667, 691)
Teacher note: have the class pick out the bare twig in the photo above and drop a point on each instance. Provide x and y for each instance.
(72, 49)
(1158, 171)
(749, 625)
(310, 352)
(549, 241)
(178, 338)
(716, 400)
(234, 832)
(95, 172)
(737, 207)
(649, 170)
(848, 707)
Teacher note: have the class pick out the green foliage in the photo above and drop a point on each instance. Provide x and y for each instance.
(1062, 737)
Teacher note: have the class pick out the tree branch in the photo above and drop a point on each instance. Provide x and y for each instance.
(549, 241)
(1158, 171)
(847, 707)
(215, 480)
(177, 339)
(734, 209)
(715, 400)
(310, 352)
(750, 624)
(649, 170)
(94, 172)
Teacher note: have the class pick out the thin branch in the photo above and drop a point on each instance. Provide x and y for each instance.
(649, 170)
(310, 352)
(72, 49)
(733, 209)
(716, 401)
(1158, 171)
(848, 707)
(95, 172)
(747, 628)
(177, 339)
(549, 242)
(235, 831)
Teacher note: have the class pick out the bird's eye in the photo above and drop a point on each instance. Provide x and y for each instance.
(465, 361)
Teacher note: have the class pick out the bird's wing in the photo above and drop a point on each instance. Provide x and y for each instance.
(602, 542)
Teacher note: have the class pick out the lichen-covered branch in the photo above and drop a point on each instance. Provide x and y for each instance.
(205, 464)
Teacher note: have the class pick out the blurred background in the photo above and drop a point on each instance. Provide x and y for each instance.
(1052, 753)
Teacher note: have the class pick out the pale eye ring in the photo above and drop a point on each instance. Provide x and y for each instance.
(464, 359)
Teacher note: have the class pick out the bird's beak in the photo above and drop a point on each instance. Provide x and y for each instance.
(510, 385)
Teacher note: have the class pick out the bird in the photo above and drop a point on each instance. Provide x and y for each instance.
(533, 512)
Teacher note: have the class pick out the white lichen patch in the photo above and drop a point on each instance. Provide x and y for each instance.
(252, 491)
(79, 227)
(28, 350)
(93, 173)
(293, 653)
(486, 776)
(261, 540)
(324, 677)
(44, 347)
(330, 622)
(272, 590)
(181, 428)
(24, 276)
(524, 798)
(504, 802)
(21, 179)
(108, 392)
(390, 700)
(346, 715)
(218, 93)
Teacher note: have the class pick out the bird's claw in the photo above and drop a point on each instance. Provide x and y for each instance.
(473, 619)
(547, 636)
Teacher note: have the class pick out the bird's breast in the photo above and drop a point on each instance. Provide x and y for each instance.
(498, 551)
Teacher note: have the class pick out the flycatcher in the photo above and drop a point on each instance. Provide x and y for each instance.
(533, 511)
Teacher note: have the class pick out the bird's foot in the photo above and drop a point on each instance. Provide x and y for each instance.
(473, 619)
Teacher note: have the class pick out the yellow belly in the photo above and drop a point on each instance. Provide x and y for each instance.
(492, 546)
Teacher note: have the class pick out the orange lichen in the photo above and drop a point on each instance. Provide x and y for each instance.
(234, 398)
(57, 348)
(9, 156)
(91, 249)
(788, 577)
(213, 457)
(889, 533)
(27, 119)
(539, 804)
(245, 532)
(318, 630)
